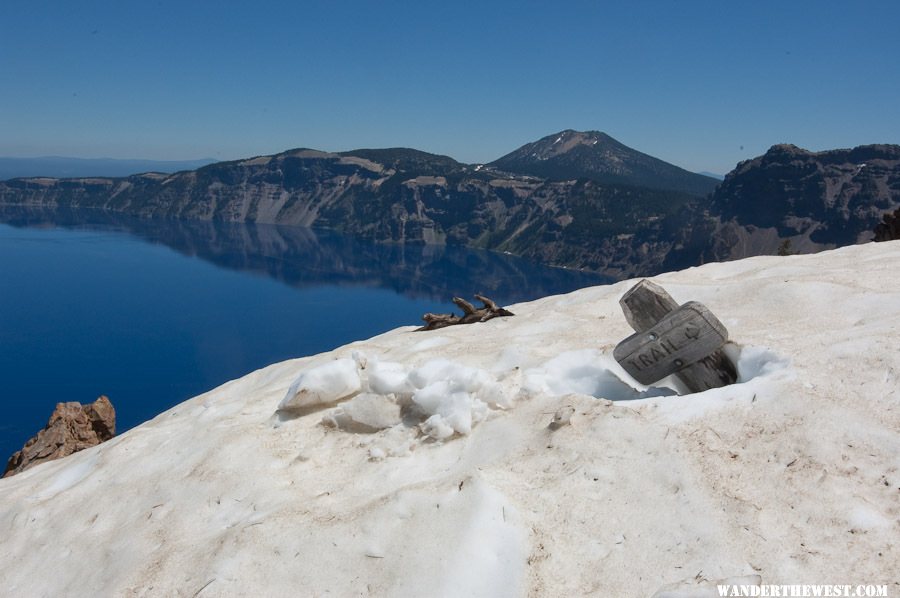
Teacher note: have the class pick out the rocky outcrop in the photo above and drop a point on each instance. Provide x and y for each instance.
(889, 227)
(812, 200)
(72, 427)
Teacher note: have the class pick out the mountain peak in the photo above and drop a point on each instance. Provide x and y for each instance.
(564, 142)
(595, 155)
(780, 150)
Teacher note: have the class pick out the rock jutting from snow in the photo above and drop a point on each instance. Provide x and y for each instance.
(889, 227)
(72, 427)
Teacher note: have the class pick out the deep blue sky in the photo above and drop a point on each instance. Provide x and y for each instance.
(700, 84)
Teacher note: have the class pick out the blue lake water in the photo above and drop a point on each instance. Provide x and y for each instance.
(152, 312)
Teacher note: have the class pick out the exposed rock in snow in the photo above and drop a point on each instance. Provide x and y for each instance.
(72, 427)
(459, 487)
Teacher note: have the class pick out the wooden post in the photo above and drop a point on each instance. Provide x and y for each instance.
(647, 305)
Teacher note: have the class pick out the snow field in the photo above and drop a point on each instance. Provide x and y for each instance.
(790, 476)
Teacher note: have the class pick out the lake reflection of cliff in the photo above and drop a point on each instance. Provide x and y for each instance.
(302, 257)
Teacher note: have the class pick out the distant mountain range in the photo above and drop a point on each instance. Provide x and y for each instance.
(62, 167)
(574, 199)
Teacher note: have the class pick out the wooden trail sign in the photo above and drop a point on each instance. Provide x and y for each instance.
(685, 341)
(682, 337)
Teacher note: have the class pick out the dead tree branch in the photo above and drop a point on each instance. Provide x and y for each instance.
(471, 314)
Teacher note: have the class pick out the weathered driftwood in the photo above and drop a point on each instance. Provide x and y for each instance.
(471, 314)
(649, 310)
